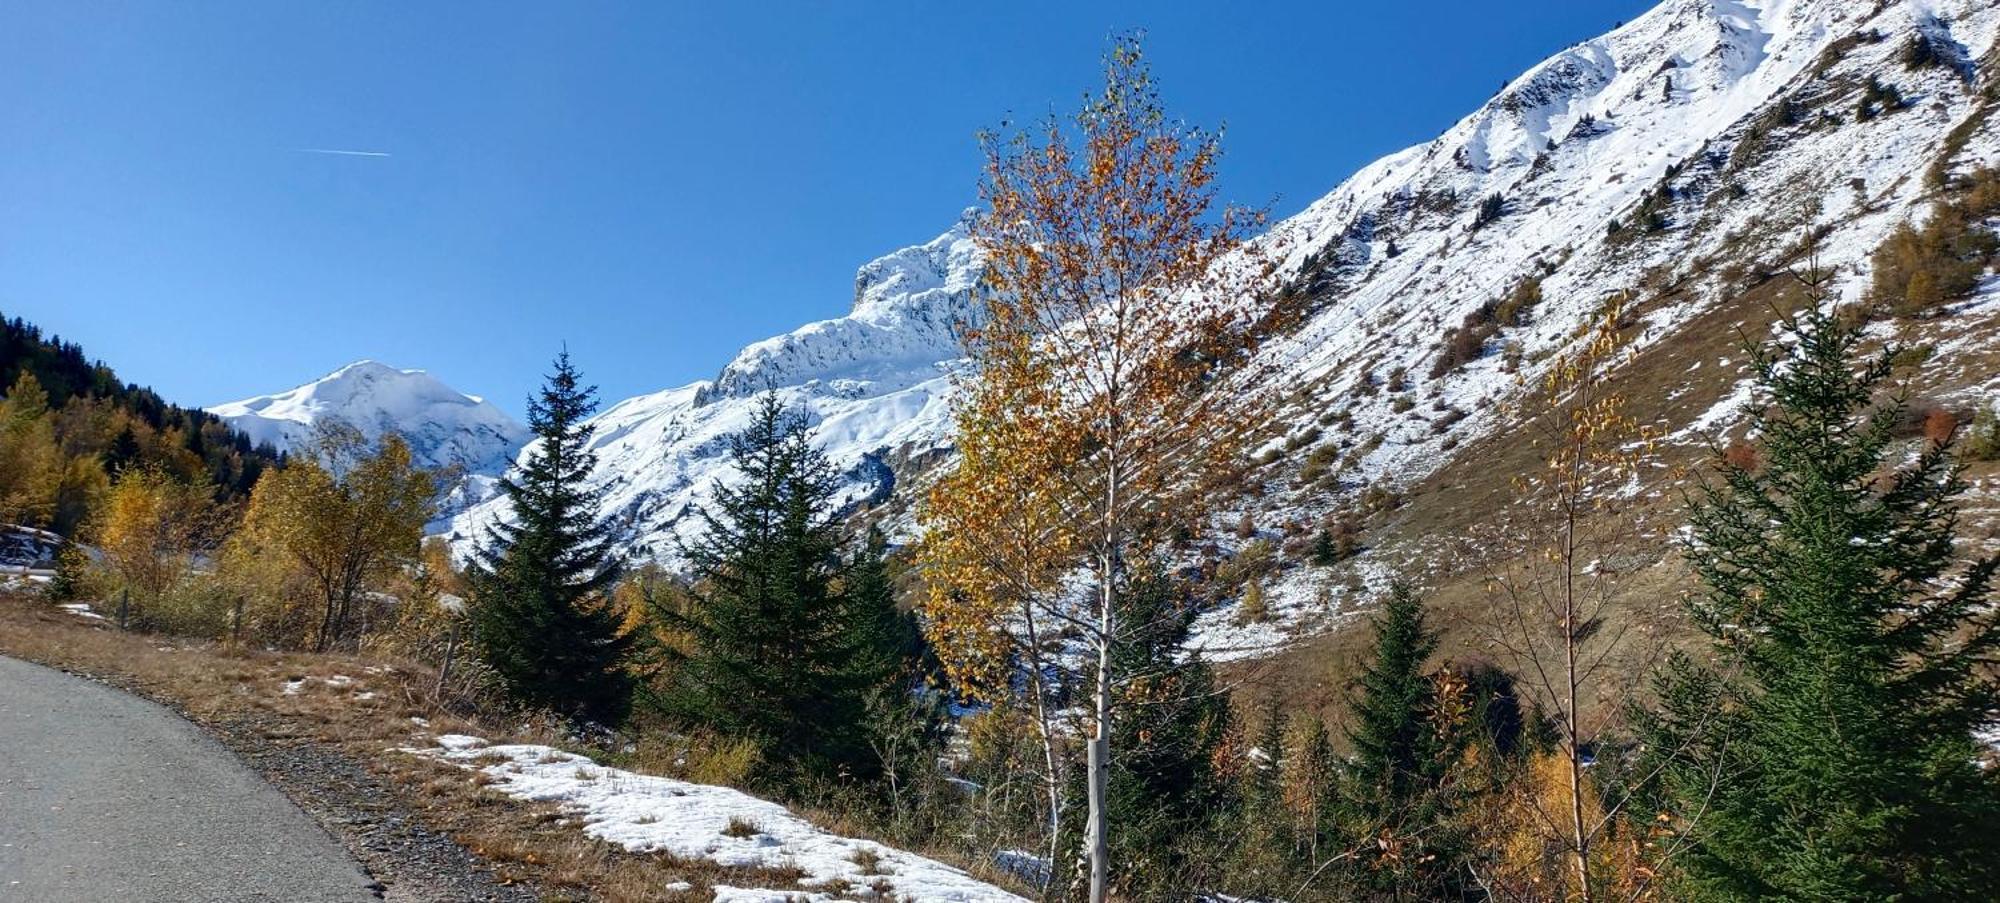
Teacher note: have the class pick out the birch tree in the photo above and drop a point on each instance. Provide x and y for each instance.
(1096, 418)
(1555, 595)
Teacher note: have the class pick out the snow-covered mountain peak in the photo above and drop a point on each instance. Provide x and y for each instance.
(443, 426)
(872, 385)
(908, 308)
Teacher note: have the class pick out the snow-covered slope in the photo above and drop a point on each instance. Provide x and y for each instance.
(1675, 161)
(443, 426)
(872, 385)
(652, 814)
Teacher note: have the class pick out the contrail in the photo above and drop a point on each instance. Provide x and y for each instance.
(340, 153)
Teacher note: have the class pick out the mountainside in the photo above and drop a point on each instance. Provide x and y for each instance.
(1682, 162)
(93, 425)
(444, 427)
(873, 385)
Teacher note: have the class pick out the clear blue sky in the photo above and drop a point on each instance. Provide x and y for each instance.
(656, 184)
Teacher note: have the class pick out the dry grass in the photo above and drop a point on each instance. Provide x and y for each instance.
(1445, 531)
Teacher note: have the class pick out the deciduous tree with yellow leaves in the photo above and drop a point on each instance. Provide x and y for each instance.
(31, 465)
(344, 513)
(1555, 594)
(152, 527)
(1105, 398)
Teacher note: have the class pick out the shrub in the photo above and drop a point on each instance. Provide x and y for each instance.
(728, 762)
(1982, 439)
(1318, 463)
(1920, 53)
(1380, 498)
(1918, 268)
(1494, 207)
(1467, 342)
(1255, 561)
(1520, 303)
(1462, 346)
(1253, 609)
(1877, 98)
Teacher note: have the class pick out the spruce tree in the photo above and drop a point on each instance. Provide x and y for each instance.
(889, 645)
(540, 616)
(781, 653)
(1400, 755)
(1830, 755)
(1164, 786)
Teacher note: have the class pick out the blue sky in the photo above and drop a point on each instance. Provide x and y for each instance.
(655, 184)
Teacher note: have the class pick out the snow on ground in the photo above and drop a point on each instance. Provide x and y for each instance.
(647, 813)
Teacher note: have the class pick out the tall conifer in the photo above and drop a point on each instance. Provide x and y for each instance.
(783, 651)
(1831, 756)
(1394, 808)
(540, 614)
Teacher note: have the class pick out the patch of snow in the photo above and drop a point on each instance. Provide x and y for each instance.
(647, 813)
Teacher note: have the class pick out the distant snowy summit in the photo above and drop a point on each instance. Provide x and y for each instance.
(443, 426)
(873, 388)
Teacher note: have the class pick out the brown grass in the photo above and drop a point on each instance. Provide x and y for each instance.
(1667, 386)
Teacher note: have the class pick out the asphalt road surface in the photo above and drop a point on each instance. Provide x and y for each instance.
(107, 797)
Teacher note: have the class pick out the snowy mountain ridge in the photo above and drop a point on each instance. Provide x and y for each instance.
(444, 427)
(872, 385)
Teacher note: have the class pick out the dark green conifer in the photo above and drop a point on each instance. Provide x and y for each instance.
(1831, 754)
(1163, 786)
(1401, 757)
(539, 613)
(783, 650)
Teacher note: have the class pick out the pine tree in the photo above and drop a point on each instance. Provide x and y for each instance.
(779, 653)
(905, 723)
(1401, 757)
(1176, 718)
(1310, 780)
(540, 616)
(1855, 652)
(889, 644)
(1264, 844)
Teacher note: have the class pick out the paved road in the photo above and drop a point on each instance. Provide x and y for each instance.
(108, 797)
